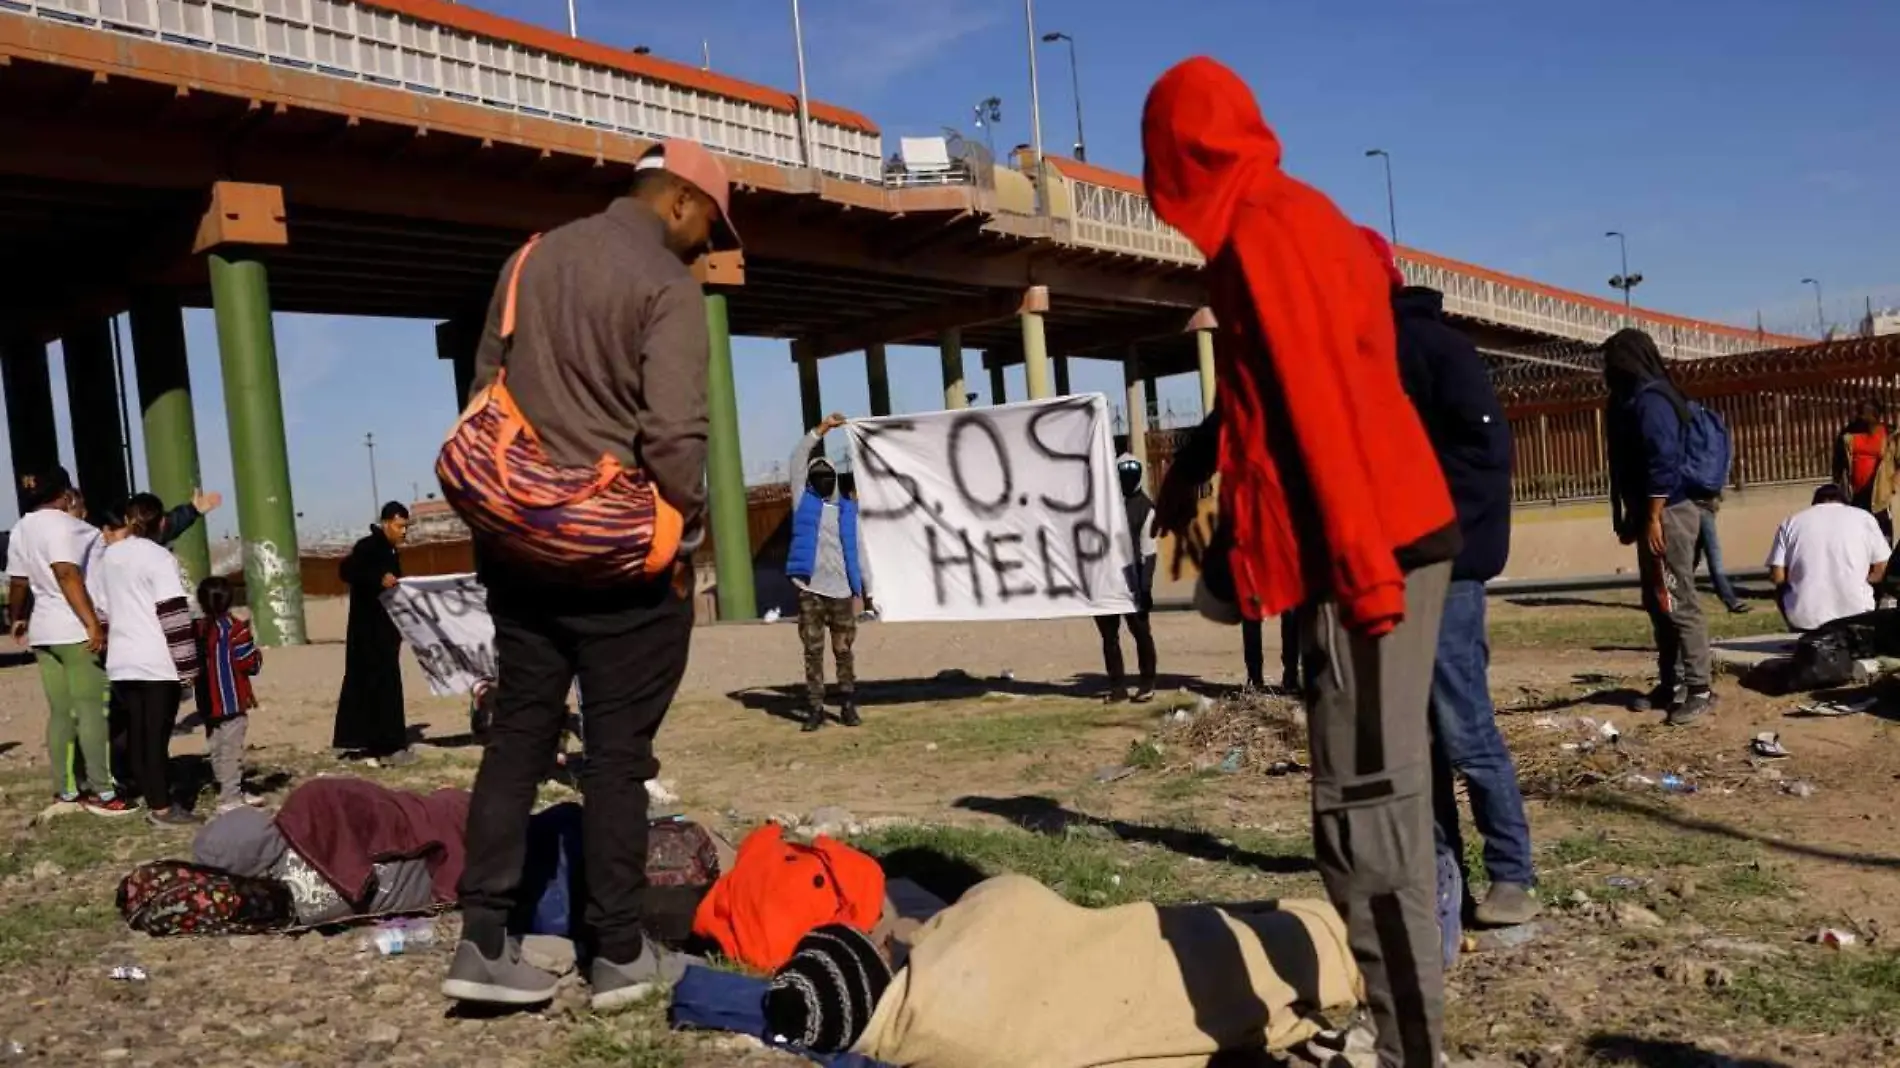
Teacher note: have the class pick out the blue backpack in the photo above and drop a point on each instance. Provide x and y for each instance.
(1706, 453)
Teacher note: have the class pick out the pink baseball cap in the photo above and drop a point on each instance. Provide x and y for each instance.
(691, 162)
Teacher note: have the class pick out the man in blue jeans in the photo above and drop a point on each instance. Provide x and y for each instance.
(1448, 382)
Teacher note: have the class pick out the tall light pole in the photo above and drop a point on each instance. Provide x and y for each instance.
(1391, 202)
(573, 28)
(1820, 316)
(989, 112)
(804, 100)
(1625, 281)
(1075, 85)
(1035, 110)
(375, 494)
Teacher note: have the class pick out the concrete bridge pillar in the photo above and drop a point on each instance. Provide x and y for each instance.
(1204, 348)
(810, 401)
(1035, 343)
(999, 386)
(171, 430)
(1061, 364)
(725, 472)
(456, 341)
(29, 399)
(878, 376)
(950, 349)
(92, 400)
(1137, 400)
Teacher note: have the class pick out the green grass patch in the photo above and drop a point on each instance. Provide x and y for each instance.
(28, 930)
(1820, 990)
(986, 728)
(1611, 848)
(1143, 753)
(637, 1039)
(1618, 621)
(76, 843)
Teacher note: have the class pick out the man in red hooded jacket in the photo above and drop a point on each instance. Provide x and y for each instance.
(1331, 501)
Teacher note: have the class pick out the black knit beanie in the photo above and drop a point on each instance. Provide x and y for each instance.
(823, 998)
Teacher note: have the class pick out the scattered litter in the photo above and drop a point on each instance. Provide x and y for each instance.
(931, 747)
(1834, 936)
(1203, 704)
(395, 937)
(1628, 914)
(1608, 732)
(1637, 778)
(661, 792)
(1115, 773)
(1008, 675)
(128, 973)
(1798, 788)
(1285, 767)
(1837, 708)
(1502, 938)
(773, 615)
(1181, 716)
(1675, 784)
(1233, 761)
(1570, 747)
(1768, 744)
(13, 1049)
(1625, 882)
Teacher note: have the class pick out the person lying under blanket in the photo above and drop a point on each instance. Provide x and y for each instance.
(1013, 975)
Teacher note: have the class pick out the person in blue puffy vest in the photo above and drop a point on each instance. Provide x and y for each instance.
(825, 566)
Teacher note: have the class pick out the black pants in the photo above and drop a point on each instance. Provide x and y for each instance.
(1112, 662)
(151, 710)
(629, 652)
(1289, 650)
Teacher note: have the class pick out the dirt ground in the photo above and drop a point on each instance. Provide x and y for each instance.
(1675, 935)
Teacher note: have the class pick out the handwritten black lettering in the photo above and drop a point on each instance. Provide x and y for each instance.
(1083, 458)
(1003, 568)
(877, 466)
(1091, 547)
(938, 562)
(986, 509)
(1053, 586)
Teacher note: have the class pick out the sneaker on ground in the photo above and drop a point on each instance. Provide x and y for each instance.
(1145, 694)
(1509, 904)
(506, 980)
(109, 807)
(256, 800)
(617, 986)
(173, 817)
(1660, 699)
(848, 715)
(814, 719)
(71, 800)
(401, 758)
(1692, 708)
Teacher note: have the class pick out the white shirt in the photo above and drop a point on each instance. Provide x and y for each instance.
(139, 574)
(41, 539)
(1828, 550)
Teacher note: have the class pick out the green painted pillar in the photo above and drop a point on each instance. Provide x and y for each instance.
(92, 399)
(999, 386)
(1137, 399)
(879, 378)
(1061, 364)
(725, 473)
(1036, 356)
(260, 458)
(810, 401)
(950, 347)
(171, 431)
(456, 341)
(1204, 348)
(29, 395)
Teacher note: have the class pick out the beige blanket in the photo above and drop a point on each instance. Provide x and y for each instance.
(1012, 976)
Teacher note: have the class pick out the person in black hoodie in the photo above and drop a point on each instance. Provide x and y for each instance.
(1141, 582)
(1451, 388)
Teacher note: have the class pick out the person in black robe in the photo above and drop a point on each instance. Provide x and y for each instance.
(369, 713)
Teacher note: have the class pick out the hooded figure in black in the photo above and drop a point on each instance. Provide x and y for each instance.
(369, 713)
(1141, 580)
(1646, 427)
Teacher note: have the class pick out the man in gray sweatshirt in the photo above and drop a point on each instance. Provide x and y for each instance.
(826, 566)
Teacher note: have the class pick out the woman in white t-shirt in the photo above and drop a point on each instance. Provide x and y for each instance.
(152, 650)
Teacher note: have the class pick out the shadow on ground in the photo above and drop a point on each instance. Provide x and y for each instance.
(1628, 806)
(788, 702)
(1042, 815)
(1660, 1053)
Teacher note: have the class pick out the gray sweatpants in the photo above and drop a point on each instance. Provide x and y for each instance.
(1370, 737)
(225, 743)
(1682, 633)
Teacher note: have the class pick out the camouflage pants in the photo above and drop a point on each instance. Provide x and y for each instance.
(818, 616)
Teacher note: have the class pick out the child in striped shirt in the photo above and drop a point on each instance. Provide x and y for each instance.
(230, 658)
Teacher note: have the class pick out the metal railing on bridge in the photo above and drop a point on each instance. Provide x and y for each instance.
(368, 43)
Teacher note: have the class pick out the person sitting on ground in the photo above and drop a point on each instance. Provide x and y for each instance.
(1141, 586)
(1826, 560)
(826, 565)
(369, 711)
(229, 659)
(153, 652)
(1865, 466)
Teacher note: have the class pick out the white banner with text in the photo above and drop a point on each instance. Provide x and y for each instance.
(445, 620)
(1008, 512)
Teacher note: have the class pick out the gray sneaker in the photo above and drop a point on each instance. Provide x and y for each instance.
(1509, 904)
(1693, 707)
(401, 758)
(617, 986)
(507, 981)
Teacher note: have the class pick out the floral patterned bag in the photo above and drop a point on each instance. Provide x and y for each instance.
(173, 897)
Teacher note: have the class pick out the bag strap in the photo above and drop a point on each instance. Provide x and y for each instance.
(514, 288)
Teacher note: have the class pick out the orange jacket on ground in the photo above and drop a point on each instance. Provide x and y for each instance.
(778, 892)
(1326, 472)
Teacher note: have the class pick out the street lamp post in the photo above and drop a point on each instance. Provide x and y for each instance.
(1820, 315)
(573, 27)
(989, 112)
(1075, 85)
(375, 493)
(1035, 110)
(1391, 202)
(1625, 281)
(804, 100)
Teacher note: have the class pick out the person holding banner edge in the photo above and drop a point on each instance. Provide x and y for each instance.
(827, 567)
(1141, 584)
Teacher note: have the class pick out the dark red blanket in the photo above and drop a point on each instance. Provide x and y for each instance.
(344, 827)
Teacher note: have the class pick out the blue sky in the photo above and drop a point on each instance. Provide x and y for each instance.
(1742, 144)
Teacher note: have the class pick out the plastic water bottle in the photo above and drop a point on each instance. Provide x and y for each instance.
(394, 939)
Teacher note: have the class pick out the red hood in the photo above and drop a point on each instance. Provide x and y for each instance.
(1207, 146)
